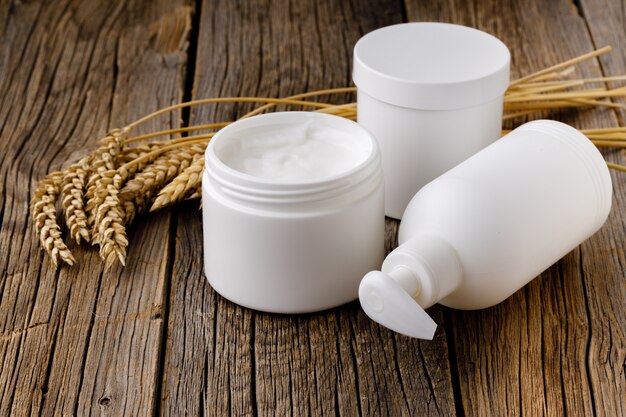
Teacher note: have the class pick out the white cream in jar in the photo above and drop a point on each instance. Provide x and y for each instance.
(293, 211)
(293, 152)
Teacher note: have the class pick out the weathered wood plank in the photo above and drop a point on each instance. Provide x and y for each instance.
(208, 366)
(604, 258)
(80, 341)
(222, 359)
(555, 347)
(605, 20)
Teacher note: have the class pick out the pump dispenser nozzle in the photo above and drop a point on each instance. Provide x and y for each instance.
(414, 276)
(387, 303)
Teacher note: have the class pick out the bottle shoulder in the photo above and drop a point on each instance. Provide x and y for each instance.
(454, 207)
(488, 240)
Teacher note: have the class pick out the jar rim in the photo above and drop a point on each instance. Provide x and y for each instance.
(241, 181)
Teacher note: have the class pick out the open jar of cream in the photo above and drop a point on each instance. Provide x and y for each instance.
(293, 211)
(432, 95)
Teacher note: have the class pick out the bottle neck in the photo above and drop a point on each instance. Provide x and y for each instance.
(426, 267)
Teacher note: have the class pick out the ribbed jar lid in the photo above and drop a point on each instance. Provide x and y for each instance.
(431, 66)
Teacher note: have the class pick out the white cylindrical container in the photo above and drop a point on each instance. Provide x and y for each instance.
(478, 233)
(432, 95)
(293, 211)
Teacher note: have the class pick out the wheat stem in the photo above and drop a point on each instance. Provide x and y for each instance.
(581, 80)
(286, 100)
(303, 95)
(526, 91)
(616, 166)
(178, 130)
(562, 65)
(227, 100)
(578, 94)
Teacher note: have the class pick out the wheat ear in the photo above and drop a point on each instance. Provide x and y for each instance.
(195, 194)
(131, 153)
(139, 191)
(105, 159)
(109, 230)
(44, 216)
(185, 184)
(72, 199)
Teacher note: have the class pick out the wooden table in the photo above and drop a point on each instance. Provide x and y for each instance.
(154, 338)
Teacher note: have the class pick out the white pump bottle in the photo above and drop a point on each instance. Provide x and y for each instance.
(478, 233)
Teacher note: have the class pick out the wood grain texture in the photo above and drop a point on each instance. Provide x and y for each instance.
(606, 295)
(154, 338)
(80, 341)
(222, 359)
(556, 347)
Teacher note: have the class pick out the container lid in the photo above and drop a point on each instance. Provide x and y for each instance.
(431, 66)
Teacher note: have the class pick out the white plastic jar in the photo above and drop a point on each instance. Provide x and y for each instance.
(432, 95)
(481, 231)
(293, 211)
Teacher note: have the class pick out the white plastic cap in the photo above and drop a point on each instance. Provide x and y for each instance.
(431, 66)
(414, 276)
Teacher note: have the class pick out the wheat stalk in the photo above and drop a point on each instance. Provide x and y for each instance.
(209, 126)
(560, 66)
(44, 217)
